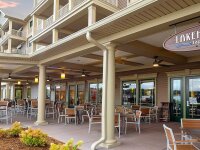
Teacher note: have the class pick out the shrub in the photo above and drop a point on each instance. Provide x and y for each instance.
(33, 137)
(3, 133)
(15, 129)
(68, 146)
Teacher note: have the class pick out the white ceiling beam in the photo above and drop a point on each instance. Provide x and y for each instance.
(143, 49)
(18, 62)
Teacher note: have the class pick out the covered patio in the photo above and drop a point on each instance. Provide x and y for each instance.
(118, 62)
(152, 135)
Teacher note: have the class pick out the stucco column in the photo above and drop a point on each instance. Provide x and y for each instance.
(7, 90)
(9, 45)
(34, 28)
(41, 96)
(56, 6)
(110, 109)
(0, 90)
(10, 26)
(71, 4)
(54, 35)
(12, 92)
(91, 15)
(2, 48)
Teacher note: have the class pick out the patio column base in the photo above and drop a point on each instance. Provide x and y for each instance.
(42, 123)
(111, 144)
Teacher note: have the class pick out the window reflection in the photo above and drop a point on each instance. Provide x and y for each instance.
(194, 97)
(176, 96)
(80, 94)
(147, 93)
(95, 91)
(60, 92)
(129, 92)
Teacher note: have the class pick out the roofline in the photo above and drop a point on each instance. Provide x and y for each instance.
(15, 19)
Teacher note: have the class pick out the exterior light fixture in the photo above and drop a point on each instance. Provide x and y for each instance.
(19, 82)
(83, 73)
(155, 64)
(9, 77)
(27, 82)
(48, 79)
(36, 79)
(62, 75)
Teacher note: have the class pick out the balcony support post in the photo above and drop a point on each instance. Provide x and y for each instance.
(70, 5)
(56, 6)
(2, 50)
(54, 35)
(34, 25)
(9, 45)
(91, 15)
(7, 90)
(0, 90)
(10, 24)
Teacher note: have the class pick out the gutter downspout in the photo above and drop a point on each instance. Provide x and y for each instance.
(105, 78)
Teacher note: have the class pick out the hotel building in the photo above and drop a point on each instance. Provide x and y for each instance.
(109, 52)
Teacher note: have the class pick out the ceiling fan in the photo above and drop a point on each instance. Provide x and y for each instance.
(84, 73)
(157, 62)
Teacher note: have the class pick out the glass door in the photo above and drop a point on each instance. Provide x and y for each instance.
(80, 94)
(147, 93)
(129, 93)
(100, 88)
(72, 95)
(176, 99)
(18, 93)
(193, 97)
(93, 93)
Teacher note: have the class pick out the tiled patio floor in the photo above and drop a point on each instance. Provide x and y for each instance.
(151, 138)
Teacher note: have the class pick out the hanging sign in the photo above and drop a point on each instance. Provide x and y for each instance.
(187, 40)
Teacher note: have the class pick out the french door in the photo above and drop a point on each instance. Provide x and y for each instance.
(176, 99)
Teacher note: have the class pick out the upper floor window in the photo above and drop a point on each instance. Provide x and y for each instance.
(31, 24)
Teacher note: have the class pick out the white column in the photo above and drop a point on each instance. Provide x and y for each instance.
(54, 35)
(71, 4)
(34, 25)
(7, 90)
(2, 48)
(110, 109)
(9, 45)
(12, 92)
(41, 96)
(91, 15)
(0, 90)
(111, 95)
(10, 24)
(56, 6)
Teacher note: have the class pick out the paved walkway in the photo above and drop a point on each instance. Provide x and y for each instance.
(151, 138)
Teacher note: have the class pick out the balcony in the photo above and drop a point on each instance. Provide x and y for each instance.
(15, 33)
(65, 10)
(14, 51)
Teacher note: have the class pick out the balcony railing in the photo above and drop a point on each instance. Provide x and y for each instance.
(112, 2)
(77, 2)
(48, 21)
(66, 10)
(17, 33)
(63, 11)
(40, 27)
(14, 51)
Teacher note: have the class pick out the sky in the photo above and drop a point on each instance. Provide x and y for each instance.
(16, 8)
